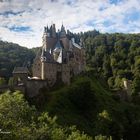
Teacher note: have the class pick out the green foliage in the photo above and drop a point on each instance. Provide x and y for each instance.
(18, 120)
(91, 107)
(100, 137)
(103, 123)
(118, 82)
(113, 55)
(2, 81)
(104, 115)
(15, 115)
(11, 81)
(77, 136)
(85, 103)
(12, 55)
(136, 86)
(110, 82)
(132, 132)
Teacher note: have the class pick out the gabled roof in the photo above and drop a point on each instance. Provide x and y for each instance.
(58, 46)
(20, 70)
(47, 55)
(75, 44)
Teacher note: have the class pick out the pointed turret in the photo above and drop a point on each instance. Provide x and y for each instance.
(46, 32)
(62, 28)
(47, 28)
(44, 38)
(63, 32)
(53, 31)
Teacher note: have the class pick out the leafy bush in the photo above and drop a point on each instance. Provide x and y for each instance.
(18, 120)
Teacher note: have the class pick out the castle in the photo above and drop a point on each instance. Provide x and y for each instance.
(60, 57)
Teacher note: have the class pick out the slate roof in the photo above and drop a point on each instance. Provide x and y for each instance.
(48, 56)
(58, 47)
(20, 70)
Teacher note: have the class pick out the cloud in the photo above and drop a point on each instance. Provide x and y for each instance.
(23, 22)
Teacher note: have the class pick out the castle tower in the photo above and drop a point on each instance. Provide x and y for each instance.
(44, 38)
(43, 60)
(53, 31)
(49, 37)
(64, 38)
(62, 32)
(47, 31)
(61, 57)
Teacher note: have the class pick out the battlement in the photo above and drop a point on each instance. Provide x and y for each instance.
(52, 33)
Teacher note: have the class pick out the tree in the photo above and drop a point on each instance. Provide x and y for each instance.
(22, 121)
(2, 81)
(104, 121)
(100, 137)
(136, 86)
(107, 71)
(12, 55)
(111, 82)
(11, 81)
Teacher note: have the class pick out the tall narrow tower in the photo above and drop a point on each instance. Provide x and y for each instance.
(44, 38)
(63, 32)
(53, 31)
(43, 60)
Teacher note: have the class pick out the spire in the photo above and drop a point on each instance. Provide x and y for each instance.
(62, 28)
(62, 25)
(53, 31)
(46, 32)
(47, 28)
(63, 32)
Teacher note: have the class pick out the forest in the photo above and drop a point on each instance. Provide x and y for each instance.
(92, 97)
(12, 55)
(114, 56)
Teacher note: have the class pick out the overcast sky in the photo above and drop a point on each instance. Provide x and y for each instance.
(22, 21)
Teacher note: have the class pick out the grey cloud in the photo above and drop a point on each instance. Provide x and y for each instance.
(77, 15)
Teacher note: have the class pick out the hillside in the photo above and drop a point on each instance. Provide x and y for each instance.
(91, 102)
(114, 56)
(12, 55)
(94, 109)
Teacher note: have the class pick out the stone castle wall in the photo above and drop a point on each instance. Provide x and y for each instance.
(50, 72)
(33, 87)
(59, 59)
(37, 68)
(66, 73)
